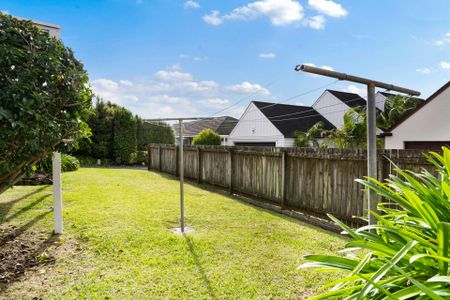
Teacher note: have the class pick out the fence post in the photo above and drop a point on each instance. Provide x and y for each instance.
(230, 169)
(149, 157)
(159, 160)
(177, 158)
(199, 165)
(283, 178)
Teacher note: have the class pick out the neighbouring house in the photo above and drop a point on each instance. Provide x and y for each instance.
(274, 124)
(332, 105)
(427, 127)
(52, 29)
(222, 125)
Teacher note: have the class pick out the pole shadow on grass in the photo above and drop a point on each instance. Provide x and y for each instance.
(4, 219)
(6, 207)
(19, 253)
(191, 247)
(239, 198)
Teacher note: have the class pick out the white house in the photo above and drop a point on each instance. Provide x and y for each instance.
(333, 104)
(52, 29)
(427, 127)
(222, 125)
(273, 124)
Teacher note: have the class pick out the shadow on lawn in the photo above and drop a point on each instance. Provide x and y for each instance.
(240, 198)
(191, 246)
(6, 207)
(21, 251)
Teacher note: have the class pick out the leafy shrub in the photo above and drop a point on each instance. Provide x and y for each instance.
(68, 163)
(207, 137)
(406, 254)
(44, 97)
(138, 158)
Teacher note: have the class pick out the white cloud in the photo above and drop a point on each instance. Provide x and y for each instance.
(248, 88)
(191, 4)
(173, 75)
(106, 84)
(200, 58)
(6, 12)
(328, 7)
(356, 90)
(445, 40)
(213, 18)
(322, 67)
(279, 12)
(174, 94)
(269, 55)
(424, 70)
(215, 102)
(316, 22)
(445, 65)
(126, 82)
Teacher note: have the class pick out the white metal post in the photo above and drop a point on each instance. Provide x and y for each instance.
(57, 193)
(371, 151)
(181, 168)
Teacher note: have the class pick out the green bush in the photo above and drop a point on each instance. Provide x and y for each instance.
(406, 254)
(138, 158)
(44, 98)
(207, 137)
(68, 163)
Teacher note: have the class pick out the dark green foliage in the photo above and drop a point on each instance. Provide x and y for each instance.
(91, 161)
(124, 135)
(406, 254)
(207, 137)
(117, 134)
(153, 133)
(309, 138)
(44, 97)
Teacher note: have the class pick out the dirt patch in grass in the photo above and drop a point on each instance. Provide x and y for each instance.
(23, 251)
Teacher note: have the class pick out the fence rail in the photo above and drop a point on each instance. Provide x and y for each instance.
(319, 181)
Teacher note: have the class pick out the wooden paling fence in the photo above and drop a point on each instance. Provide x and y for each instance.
(318, 181)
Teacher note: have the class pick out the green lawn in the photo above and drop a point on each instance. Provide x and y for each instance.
(118, 245)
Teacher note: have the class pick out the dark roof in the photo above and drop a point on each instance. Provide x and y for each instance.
(419, 107)
(351, 99)
(222, 125)
(291, 118)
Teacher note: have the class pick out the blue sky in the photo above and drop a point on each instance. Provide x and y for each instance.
(163, 58)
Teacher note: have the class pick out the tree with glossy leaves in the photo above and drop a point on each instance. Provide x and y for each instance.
(44, 98)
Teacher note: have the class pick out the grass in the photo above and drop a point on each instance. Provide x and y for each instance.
(118, 245)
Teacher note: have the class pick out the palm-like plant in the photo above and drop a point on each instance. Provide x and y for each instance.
(309, 138)
(406, 254)
(353, 132)
(395, 108)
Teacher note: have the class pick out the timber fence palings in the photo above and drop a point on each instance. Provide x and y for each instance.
(318, 181)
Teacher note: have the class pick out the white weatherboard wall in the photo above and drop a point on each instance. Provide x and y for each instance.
(380, 99)
(254, 127)
(331, 108)
(429, 124)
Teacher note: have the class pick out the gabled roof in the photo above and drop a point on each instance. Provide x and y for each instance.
(222, 125)
(419, 107)
(351, 99)
(291, 118)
